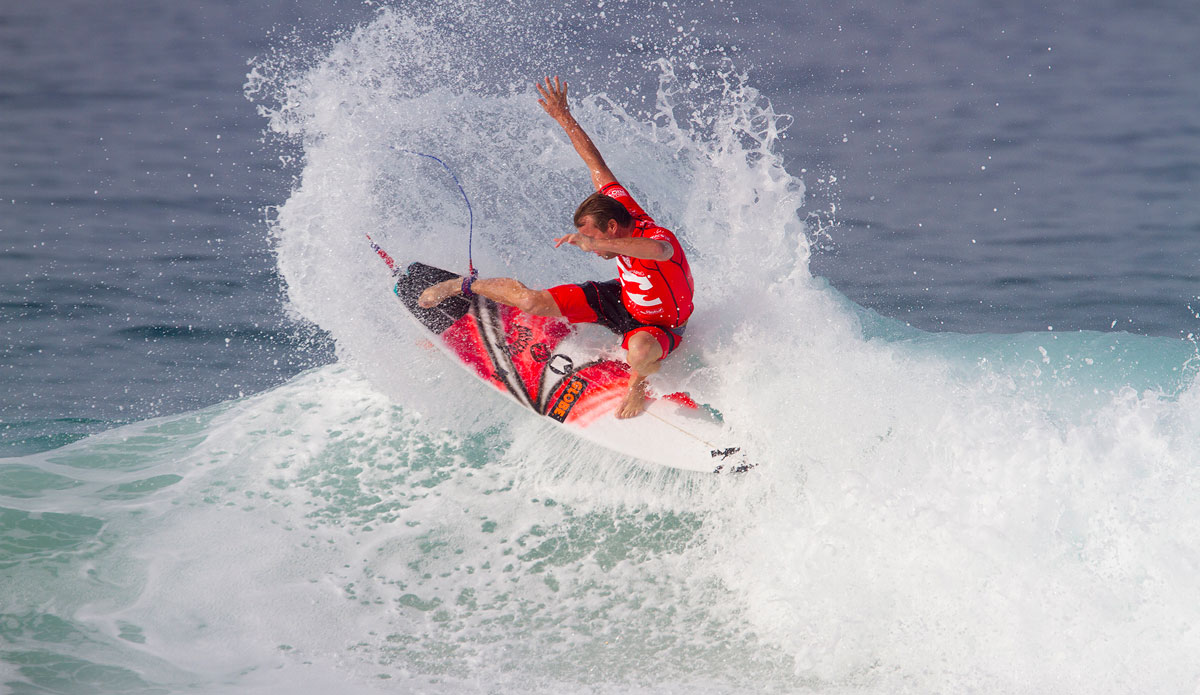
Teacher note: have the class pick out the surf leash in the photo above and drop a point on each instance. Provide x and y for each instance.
(472, 274)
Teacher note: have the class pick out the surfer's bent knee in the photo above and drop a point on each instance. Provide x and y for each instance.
(538, 303)
(643, 351)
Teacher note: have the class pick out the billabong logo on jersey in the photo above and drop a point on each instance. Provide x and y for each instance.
(643, 283)
(570, 396)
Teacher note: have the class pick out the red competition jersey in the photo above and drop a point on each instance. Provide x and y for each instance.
(657, 292)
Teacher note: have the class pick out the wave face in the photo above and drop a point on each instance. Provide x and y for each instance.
(931, 512)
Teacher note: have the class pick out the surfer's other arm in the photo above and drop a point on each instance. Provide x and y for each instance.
(607, 247)
(554, 101)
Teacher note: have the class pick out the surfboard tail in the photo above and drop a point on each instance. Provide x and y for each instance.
(414, 281)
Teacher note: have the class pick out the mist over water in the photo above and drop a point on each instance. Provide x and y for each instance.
(930, 512)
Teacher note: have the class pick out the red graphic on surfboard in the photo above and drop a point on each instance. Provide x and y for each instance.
(541, 363)
(518, 353)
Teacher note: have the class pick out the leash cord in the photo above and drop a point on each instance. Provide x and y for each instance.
(472, 273)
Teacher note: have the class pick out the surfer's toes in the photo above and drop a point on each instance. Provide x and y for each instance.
(632, 406)
(426, 300)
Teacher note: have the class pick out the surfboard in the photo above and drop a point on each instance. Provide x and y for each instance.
(552, 368)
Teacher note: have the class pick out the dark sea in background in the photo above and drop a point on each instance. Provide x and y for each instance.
(137, 272)
(972, 168)
(971, 171)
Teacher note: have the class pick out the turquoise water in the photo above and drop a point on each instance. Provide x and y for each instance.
(330, 507)
(319, 536)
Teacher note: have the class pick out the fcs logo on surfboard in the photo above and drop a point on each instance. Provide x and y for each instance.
(566, 401)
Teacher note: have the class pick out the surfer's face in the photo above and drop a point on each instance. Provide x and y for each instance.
(588, 228)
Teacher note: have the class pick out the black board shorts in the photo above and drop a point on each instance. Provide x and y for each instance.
(600, 303)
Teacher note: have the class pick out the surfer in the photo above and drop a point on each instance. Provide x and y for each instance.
(650, 301)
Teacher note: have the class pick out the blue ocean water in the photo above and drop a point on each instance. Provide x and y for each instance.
(947, 257)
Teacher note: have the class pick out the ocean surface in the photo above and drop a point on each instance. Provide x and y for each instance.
(948, 271)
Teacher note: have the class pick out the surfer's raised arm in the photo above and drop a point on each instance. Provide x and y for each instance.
(554, 101)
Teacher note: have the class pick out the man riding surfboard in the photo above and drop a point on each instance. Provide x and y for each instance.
(650, 301)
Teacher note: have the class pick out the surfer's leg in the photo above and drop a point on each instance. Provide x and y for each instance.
(645, 357)
(505, 291)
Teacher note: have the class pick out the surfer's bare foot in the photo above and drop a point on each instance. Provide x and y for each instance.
(432, 296)
(635, 401)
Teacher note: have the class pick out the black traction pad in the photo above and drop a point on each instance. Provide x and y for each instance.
(416, 279)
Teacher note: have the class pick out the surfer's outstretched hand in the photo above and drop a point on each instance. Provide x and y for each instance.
(554, 98)
(584, 242)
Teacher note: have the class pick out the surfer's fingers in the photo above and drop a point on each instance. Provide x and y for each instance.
(554, 97)
(557, 88)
